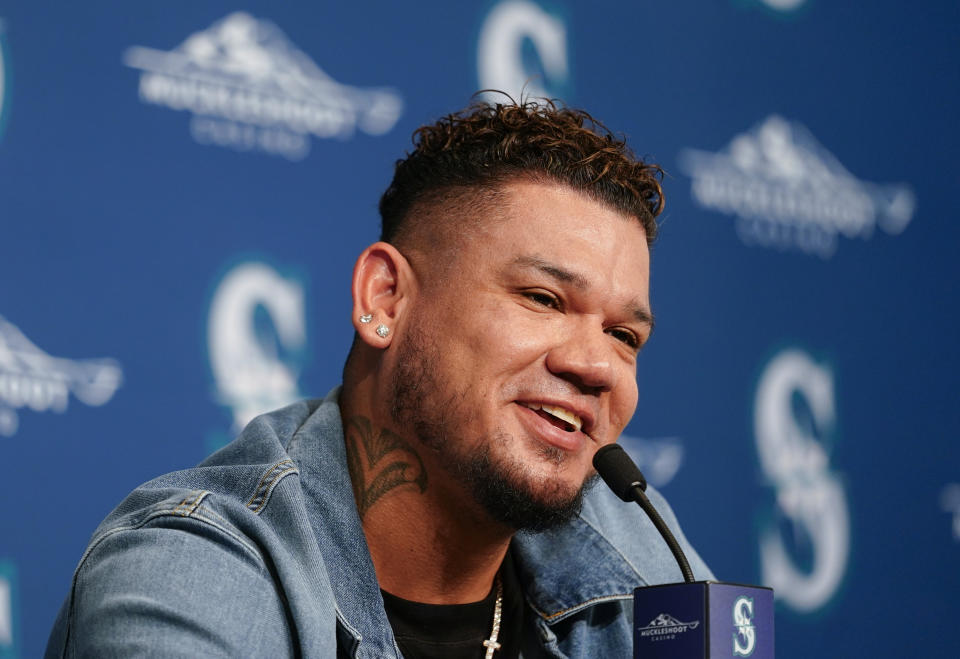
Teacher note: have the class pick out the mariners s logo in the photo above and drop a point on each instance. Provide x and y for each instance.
(794, 420)
(745, 634)
(257, 335)
(522, 50)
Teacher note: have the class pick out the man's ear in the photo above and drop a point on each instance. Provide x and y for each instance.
(383, 283)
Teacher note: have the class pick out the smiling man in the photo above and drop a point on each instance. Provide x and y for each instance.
(438, 504)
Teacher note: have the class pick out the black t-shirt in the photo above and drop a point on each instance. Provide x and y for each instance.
(457, 631)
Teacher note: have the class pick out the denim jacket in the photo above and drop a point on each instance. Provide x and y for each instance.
(259, 552)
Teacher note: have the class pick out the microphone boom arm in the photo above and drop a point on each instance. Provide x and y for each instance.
(620, 473)
(641, 498)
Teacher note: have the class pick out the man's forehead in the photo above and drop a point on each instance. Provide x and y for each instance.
(520, 216)
(460, 211)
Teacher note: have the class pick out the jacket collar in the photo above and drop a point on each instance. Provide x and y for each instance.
(561, 571)
(318, 449)
(570, 568)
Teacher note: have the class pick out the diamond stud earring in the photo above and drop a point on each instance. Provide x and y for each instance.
(366, 318)
(382, 331)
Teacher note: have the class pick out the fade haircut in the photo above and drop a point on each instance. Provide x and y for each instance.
(479, 149)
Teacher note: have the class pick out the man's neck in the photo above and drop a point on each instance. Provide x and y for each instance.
(429, 540)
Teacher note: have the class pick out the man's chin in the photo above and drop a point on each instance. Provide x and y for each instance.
(511, 499)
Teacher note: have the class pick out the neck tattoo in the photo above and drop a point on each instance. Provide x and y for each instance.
(379, 462)
(491, 643)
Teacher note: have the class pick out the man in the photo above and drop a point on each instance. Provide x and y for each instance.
(434, 505)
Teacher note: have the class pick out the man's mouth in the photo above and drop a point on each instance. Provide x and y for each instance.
(558, 416)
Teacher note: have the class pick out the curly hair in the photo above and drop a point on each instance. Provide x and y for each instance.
(484, 146)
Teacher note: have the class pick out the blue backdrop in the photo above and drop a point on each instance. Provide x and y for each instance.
(184, 188)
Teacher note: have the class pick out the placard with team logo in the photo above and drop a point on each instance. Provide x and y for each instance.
(703, 620)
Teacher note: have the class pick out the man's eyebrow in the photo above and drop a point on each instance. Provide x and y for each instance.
(639, 312)
(556, 271)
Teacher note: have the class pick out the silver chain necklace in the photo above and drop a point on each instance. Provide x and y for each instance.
(491, 643)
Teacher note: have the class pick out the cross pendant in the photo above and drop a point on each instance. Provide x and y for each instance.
(491, 646)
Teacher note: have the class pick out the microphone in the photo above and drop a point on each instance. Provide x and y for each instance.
(618, 471)
(667, 618)
(623, 476)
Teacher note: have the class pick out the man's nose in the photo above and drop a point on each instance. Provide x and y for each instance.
(585, 357)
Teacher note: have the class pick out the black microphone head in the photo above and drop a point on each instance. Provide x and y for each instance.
(618, 471)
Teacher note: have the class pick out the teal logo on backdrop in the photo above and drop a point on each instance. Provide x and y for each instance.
(784, 5)
(805, 548)
(950, 502)
(256, 340)
(8, 610)
(522, 50)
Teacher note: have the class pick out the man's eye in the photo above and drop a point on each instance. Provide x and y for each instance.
(545, 299)
(626, 336)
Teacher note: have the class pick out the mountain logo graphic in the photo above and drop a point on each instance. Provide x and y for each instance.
(249, 88)
(31, 378)
(786, 191)
(666, 625)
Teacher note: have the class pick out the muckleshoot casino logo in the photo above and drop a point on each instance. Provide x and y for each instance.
(788, 192)
(666, 627)
(247, 87)
(32, 379)
(522, 50)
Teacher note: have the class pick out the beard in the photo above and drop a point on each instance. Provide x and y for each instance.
(504, 486)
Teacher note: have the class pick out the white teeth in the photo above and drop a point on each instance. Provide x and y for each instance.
(566, 415)
(559, 412)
